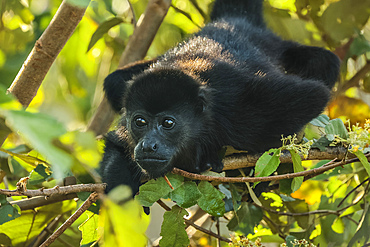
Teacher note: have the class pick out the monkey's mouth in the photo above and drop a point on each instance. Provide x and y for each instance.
(154, 167)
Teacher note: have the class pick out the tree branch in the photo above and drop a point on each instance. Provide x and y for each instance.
(319, 170)
(43, 54)
(63, 190)
(242, 160)
(45, 51)
(38, 201)
(136, 49)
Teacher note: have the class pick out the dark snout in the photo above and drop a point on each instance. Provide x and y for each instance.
(153, 157)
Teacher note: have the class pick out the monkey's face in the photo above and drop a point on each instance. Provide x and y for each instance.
(158, 139)
(165, 118)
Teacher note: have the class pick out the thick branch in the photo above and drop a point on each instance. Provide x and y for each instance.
(319, 170)
(64, 190)
(43, 54)
(39, 201)
(136, 49)
(242, 160)
(45, 51)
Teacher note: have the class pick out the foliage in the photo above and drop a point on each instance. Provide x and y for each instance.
(48, 142)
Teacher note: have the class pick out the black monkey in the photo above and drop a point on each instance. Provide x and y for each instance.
(233, 83)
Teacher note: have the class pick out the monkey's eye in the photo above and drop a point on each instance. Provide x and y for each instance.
(140, 122)
(168, 123)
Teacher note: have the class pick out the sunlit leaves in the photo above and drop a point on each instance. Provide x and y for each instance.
(123, 225)
(40, 130)
(103, 29)
(31, 223)
(341, 18)
(38, 175)
(173, 228)
(89, 229)
(362, 234)
(360, 155)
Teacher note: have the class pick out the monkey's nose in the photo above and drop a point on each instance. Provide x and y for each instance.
(149, 147)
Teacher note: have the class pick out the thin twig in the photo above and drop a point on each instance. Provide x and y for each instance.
(185, 14)
(354, 81)
(92, 198)
(354, 189)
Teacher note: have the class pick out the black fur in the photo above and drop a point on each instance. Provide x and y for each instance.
(233, 83)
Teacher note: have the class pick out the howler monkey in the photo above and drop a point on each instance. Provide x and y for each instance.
(233, 83)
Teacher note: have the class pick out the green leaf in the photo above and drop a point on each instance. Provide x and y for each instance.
(156, 189)
(245, 219)
(7, 211)
(299, 206)
(40, 174)
(289, 240)
(186, 195)
(267, 163)
(338, 225)
(41, 131)
(236, 197)
(359, 46)
(31, 223)
(362, 233)
(360, 155)
(320, 121)
(173, 228)
(321, 143)
(211, 200)
(316, 128)
(88, 229)
(103, 29)
(30, 160)
(297, 167)
(336, 127)
(123, 223)
(281, 22)
(342, 18)
(120, 194)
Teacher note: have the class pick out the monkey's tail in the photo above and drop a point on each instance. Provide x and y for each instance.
(250, 9)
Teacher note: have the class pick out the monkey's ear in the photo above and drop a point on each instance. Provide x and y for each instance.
(115, 87)
(205, 95)
(115, 84)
